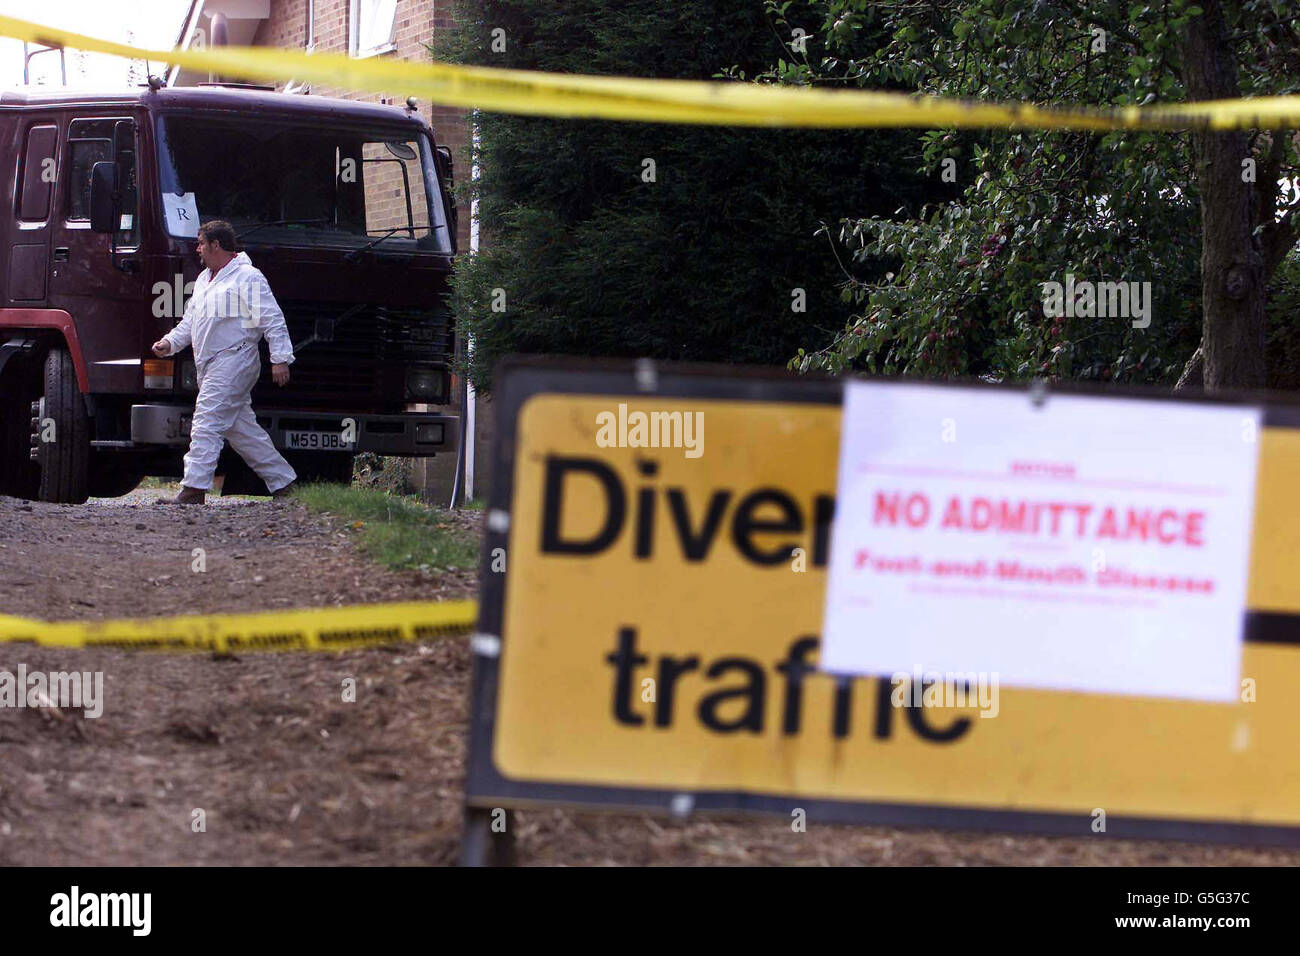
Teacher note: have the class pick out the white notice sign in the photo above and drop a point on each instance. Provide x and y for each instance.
(1097, 545)
(182, 214)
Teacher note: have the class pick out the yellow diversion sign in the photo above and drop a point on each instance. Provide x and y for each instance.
(653, 642)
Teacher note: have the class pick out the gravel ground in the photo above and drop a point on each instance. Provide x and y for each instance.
(282, 768)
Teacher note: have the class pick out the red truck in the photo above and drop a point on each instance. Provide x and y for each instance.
(346, 207)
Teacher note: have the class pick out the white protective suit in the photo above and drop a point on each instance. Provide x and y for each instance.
(225, 318)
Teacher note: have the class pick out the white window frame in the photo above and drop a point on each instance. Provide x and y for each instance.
(354, 18)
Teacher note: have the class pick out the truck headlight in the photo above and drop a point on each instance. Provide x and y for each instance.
(423, 383)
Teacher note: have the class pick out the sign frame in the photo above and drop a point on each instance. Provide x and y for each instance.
(486, 788)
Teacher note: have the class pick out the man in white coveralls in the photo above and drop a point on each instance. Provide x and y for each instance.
(231, 308)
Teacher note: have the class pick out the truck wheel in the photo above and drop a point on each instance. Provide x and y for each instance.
(337, 470)
(330, 467)
(113, 480)
(61, 434)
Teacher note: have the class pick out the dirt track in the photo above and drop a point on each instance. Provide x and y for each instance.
(284, 770)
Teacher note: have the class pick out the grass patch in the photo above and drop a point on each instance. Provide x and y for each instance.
(398, 532)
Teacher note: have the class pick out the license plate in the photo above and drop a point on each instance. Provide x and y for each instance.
(316, 441)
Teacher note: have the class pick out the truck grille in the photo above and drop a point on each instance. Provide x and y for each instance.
(359, 350)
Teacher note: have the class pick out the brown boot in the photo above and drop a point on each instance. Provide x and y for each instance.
(286, 491)
(188, 496)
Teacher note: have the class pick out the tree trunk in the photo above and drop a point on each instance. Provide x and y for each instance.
(1233, 283)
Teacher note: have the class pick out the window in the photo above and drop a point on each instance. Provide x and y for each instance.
(91, 141)
(372, 26)
(394, 190)
(314, 184)
(36, 179)
(85, 154)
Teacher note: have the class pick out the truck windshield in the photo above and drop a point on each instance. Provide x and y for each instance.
(284, 184)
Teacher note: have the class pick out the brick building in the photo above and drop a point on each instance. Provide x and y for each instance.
(389, 28)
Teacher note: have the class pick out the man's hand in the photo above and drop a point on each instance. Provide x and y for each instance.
(162, 348)
(280, 373)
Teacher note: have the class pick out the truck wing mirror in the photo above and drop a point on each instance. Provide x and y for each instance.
(105, 202)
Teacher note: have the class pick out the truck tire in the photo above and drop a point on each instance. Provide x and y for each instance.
(113, 480)
(65, 461)
(331, 467)
(337, 470)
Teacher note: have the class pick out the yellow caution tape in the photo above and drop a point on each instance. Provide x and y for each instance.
(324, 629)
(670, 101)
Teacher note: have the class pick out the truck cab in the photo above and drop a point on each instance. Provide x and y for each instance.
(346, 207)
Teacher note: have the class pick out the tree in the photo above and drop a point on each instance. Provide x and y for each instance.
(674, 242)
(964, 295)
